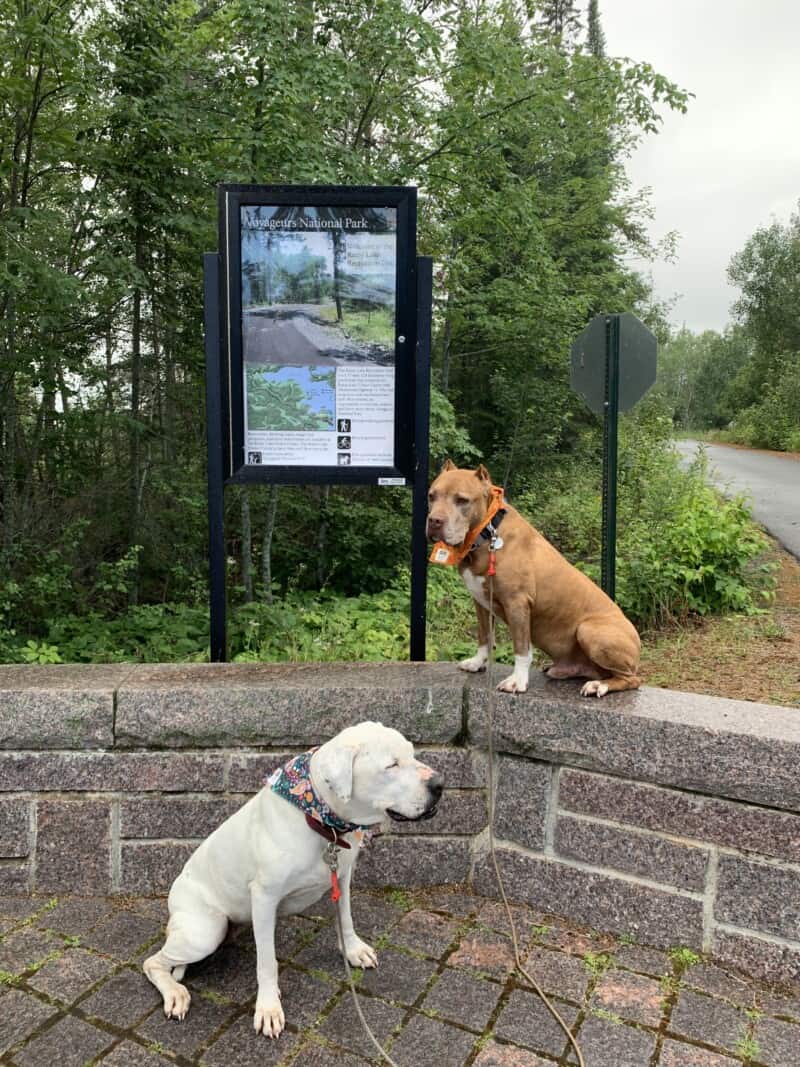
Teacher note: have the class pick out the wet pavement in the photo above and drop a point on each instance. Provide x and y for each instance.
(72, 992)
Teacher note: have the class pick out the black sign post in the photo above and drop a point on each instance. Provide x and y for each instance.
(612, 365)
(317, 371)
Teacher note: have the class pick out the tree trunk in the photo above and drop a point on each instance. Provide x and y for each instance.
(266, 544)
(322, 534)
(247, 547)
(134, 495)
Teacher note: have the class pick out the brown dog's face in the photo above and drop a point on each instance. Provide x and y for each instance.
(457, 500)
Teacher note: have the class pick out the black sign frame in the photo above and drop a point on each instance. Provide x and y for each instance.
(231, 199)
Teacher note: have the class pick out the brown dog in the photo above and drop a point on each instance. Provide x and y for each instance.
(542, 598)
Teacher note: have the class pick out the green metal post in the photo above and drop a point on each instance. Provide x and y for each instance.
(608, 567)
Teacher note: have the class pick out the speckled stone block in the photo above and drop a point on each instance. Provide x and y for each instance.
(601, 901)
(523, 789)
(758, 896)
(706, 818)
(15, 832)
(764, 959)
(152, 866)
(412, 862)
(232, 705)
(645, 855)
(59, 706)
(461, 811)
(728, 748)
(101, 772)
(73, 846)
(174, 817)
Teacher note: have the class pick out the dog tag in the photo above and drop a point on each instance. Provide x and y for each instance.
(497, 543)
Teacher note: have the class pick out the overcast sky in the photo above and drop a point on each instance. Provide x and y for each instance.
(732, 163)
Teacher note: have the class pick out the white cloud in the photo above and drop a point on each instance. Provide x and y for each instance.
(732, 163)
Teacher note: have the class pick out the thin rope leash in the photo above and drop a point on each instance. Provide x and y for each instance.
(490, 752)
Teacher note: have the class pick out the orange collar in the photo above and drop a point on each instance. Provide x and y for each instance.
(448, 555)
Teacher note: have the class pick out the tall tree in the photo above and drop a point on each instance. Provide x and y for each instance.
(595, 36)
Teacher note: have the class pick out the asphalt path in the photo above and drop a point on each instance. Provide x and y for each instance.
(296, 335)
(770, 479)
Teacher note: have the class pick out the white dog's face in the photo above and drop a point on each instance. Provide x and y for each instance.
(369, 771)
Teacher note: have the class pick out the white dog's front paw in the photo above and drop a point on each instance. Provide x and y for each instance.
(513, 684)
(360, 954)
(269, 1018)
(594, 689)
(176, 1002)
(477, 662)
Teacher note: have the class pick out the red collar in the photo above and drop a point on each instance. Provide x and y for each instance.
(327, 832)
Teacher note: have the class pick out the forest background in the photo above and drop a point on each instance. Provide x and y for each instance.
(117, 120)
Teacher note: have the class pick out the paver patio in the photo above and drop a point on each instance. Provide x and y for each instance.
(72, 992)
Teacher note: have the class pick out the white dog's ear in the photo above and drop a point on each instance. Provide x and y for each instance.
(335, 767)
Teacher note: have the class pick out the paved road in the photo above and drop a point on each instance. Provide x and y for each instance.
(771, 479)
(295, 334)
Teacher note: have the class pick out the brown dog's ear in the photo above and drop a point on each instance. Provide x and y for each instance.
(483, 474)
(448, 465)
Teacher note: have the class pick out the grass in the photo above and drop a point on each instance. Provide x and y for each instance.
(373, 327)
(743, 657)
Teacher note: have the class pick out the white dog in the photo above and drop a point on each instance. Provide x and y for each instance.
(269, 857)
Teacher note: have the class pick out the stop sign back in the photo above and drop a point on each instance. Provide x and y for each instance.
(637, 361)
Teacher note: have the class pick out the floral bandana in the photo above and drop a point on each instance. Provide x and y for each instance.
(293, 783)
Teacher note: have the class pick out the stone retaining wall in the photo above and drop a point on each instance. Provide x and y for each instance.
(671, 817)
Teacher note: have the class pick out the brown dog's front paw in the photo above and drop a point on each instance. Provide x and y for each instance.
(513, 684)
(594, 689)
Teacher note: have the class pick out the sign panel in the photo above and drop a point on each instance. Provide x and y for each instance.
(637, 361)
(319, 293)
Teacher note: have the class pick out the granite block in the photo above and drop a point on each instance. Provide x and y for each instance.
(71, 975)
(343, 1026)
(15, 877)
(675, 1054)
(623, 849)
(778, 1042)
(705, 818)
(242, 1046)
(771, 962)
(204, 1019)
(100, 772)
(463, 998)
(61, 706)
(172, 817)
(276, 704)
(15, 832)
(604, 1043)
(729, 748)
(73, 846)
(526, 1021)
(412, 862)
(122, 1000)
(425, 1040)
(496, 1055)
(460, 812)
(631, 996)
(758, 896)
(152, 866)
(522, 795)
(70, 1043)
(658, 917)
(20, 1015)
(708, 1019)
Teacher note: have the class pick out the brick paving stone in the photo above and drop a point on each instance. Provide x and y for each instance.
(643, 959)
(452, 901)
(129, 1054)
(607, 1044)
(707, 1019)
(123, 1000)
(20, 906)
(496, 1055)
(343, 1026)
(428, 1041)
(424, 931)
(484, 951)
(151, 907)
(25, 947)
(230, 971)
(187, 1036)
(674, 1054)
(21, 1014)
(526, 1021)
(69, 1043)
(121, 934)
(458, 996)
(575, 941)
(315, 1055)
(304, 996)
(323, 954)
(493, 914)
(719, 982)
(398, 977)
(631, 996)
(75, 916)
(242, 1046)
(778, 1042)
(71, 974)
(373, 916)
(565, 976)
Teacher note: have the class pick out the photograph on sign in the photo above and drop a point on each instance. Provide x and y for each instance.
(318, 318)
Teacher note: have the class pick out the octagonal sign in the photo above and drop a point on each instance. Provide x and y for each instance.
(637, 361)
